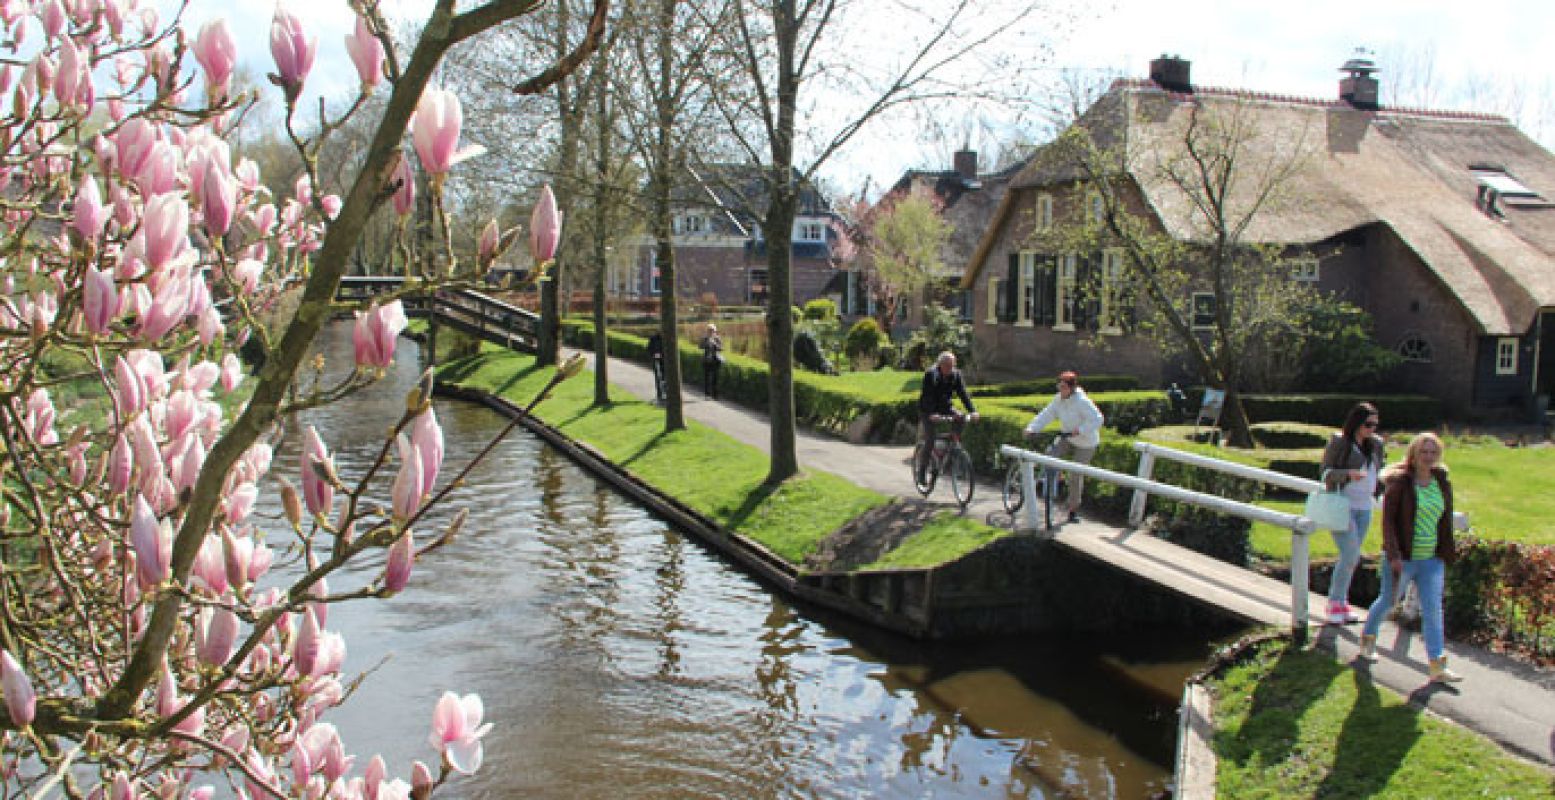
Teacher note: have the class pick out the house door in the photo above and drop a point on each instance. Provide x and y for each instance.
(1545, 376)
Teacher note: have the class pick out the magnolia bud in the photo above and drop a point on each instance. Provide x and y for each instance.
(419, 398)
(291, 503)
(574, 365)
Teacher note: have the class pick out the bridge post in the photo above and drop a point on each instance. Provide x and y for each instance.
(1298, 586)
(1028, 491)
(1136, 509)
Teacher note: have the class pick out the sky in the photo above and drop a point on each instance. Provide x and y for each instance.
(1479, 56)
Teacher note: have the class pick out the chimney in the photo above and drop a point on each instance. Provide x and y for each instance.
(1358, 87)
(965, 164)
(1171, 73)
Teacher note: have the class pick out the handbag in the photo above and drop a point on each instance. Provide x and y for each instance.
(1330, 510)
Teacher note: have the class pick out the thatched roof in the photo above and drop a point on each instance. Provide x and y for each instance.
(1407, 169)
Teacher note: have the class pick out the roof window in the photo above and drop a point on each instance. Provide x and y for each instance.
(1497, 186)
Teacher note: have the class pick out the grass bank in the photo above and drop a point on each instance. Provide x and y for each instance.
(1294, 723)
(707, 470)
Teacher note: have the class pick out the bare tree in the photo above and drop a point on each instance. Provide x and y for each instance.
(804, 95)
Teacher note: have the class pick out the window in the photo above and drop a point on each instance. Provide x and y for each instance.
(654, 287)
(811, 231)
(1304, 269)
(1111, 317)
(995, 291)
(1063, 312)
(1414, 347)
(690, 223)
(1097, 208)
(1203, 311)
(758, 286)
(1044, 212)
(1028, 288)
(1506, 356)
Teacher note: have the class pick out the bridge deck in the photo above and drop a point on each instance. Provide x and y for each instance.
(1238, 591)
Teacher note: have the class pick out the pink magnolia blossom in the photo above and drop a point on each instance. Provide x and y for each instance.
(427, 436)
(219, 641)
(317, 494)
(20, 699)
(366, 53)
(376, 333)
(121, 462)
(402, 558)
(217, 53)
(53, 18)
(405, 191)
(545, 227)
(246, 274)
(408, 488)
(99, 300)
(457, 731)
(292, 49)
(231, 372)
(166, 229)
(208, 567)
(219, 197)
(152, 540)
(170, 702)
(435, 132)
(421, 780)
(90, 213)
(486, 249)
(237, 553)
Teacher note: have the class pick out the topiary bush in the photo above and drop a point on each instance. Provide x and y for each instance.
(820, 309)
(807, 354)
(864, 339)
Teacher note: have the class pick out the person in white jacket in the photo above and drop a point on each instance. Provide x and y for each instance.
(1080, 422)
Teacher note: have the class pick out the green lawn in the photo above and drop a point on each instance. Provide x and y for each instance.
(880, 382)
(1295, 724)
(1508, 493)
(789, 520)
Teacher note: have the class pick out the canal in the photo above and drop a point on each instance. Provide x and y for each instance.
(618, 658)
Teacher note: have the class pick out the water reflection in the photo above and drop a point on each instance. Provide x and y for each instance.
(618, 659)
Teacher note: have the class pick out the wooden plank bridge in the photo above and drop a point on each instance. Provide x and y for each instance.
(465, 310)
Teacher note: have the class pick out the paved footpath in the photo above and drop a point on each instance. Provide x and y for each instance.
(1508, 701)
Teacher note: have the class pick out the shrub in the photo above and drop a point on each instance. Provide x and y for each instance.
(864, 339)
(807, 354)
(820, 309)
(1290, 435)
(1503, 592)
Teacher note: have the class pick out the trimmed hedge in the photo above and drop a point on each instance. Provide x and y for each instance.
(1399, 412)
(1047, 386)
(1503, 592)
(1290, 435)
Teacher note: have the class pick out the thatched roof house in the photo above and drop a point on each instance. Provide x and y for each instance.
(1437, 223)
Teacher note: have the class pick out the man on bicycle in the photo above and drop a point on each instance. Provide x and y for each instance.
(1079, 423)
(942, 382)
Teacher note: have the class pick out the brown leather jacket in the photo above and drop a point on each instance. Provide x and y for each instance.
(1398, 517)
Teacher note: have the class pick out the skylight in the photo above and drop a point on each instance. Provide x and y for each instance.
(1503, 184)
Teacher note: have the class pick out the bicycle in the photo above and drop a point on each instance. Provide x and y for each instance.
(947, 455)
(1050, 483)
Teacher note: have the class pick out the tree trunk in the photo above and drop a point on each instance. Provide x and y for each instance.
(664, 249)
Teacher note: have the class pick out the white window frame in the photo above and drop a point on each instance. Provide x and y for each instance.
(810, 231)
(1193, 309)
(1026, 295)
(1506, 355)
(1095, 208)
(1304, 269)
(653, 280)
(995, 285)
(1044, 212)
(1064, 291)
(1111, 289)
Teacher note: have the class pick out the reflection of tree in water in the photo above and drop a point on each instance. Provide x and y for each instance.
(781, 642)
(668, 581)
(586, 561)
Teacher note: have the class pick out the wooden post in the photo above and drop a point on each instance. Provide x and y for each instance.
(1298, 586)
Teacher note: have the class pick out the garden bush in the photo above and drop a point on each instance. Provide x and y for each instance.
(1503, 592)
(820, 309)
(864, 339)
(1290, 435)
(807, 354)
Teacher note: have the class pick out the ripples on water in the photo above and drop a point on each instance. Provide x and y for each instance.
(617, 658)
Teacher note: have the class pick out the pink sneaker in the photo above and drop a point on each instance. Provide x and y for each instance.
(1338, 614)
(1351, 613)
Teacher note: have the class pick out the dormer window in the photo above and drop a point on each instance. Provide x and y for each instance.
(1497, 187)
(686, 224)
(810, 231)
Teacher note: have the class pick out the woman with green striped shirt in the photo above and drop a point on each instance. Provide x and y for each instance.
(1417, 546)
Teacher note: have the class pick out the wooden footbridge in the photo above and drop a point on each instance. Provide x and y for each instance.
(465, 310)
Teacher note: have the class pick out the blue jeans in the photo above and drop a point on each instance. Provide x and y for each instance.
(1430, 576)
(1349, 543)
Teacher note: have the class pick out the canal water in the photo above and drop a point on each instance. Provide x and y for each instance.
(618, 658)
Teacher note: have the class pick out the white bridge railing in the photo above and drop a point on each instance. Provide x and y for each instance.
(1300, 527)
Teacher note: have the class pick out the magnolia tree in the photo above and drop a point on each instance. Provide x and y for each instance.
(149, 645)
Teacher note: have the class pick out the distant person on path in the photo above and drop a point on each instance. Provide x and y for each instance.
(1352, 463)
(656, 357)
(1080, 422)
(1418, 545)
(712, 360)
(941, 383)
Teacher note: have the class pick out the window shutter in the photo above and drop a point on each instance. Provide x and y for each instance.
(1085, 300)
(1047, 291)
(1011, 291)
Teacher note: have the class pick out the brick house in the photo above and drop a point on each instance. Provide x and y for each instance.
(966, 198)
(1436, 223)
(720, 253)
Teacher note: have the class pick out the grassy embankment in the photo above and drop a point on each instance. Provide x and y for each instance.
(790, 519)
(1295, 723)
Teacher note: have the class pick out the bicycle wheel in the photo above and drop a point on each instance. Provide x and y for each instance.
(960, 469)
(1014, 498)
(923, 471)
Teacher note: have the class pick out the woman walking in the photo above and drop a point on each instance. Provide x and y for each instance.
(1352, 463)
(1417, 545)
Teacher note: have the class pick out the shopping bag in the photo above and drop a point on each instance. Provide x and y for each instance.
(1330, 510)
